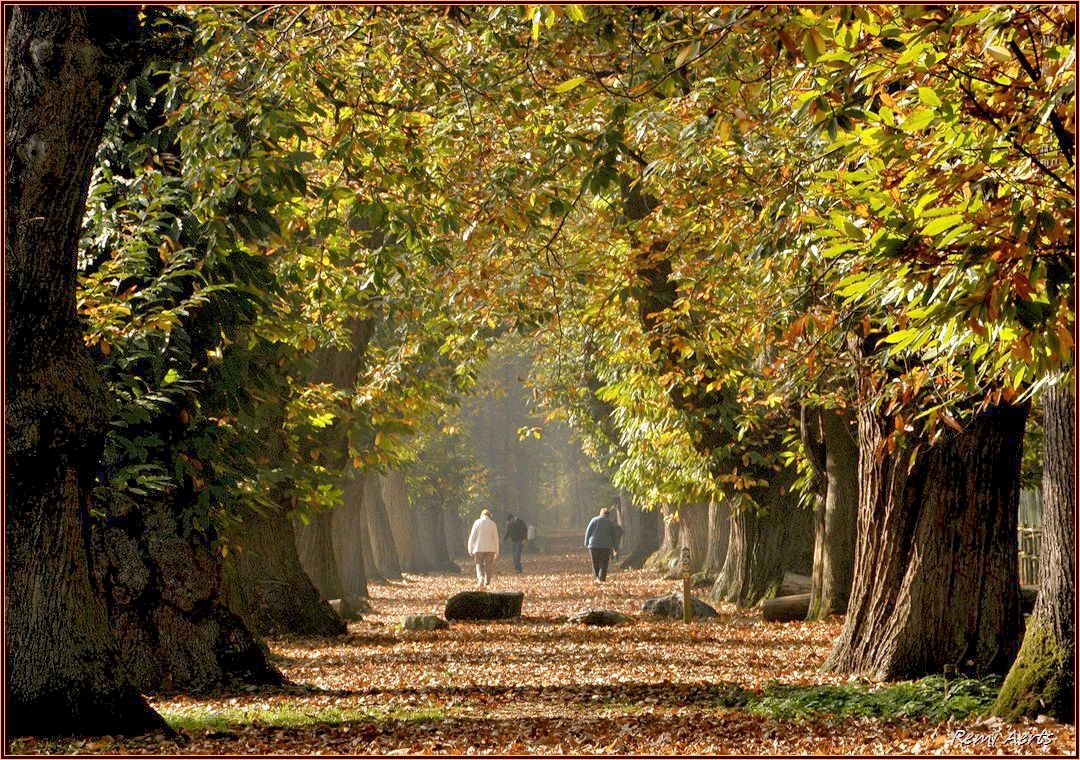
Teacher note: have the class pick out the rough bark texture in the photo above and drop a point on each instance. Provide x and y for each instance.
(835, 515)
(1042, 679)
(432, 534)
(719, 535)
(267, 585)
(63, 68)
(936, 578)
(350, 538)
(644, 539)
(761, 546)
(694, 533)
(378, 531)
(661, 559)
(167, 604)
(315, 547)
(402, 521)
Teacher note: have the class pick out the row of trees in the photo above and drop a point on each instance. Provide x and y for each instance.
(752, 242)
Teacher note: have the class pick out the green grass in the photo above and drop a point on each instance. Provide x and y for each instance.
(908, 699)
(293, 715)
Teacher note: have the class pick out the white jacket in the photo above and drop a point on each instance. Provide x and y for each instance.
(484, 536)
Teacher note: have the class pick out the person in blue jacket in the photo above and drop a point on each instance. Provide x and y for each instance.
(602, 540)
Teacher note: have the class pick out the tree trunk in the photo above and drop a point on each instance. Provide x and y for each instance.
(268, 587)
(379, 533)
(936, 579)
(761, 545)
(719, 535)
(694, 532)
(432, 535)
(645, 536)
(402, 521)
(167, 604)
(315, 547)
(63, 68)
(456, 537)
(661, 559)
(350, 539)
(1041, 680)
(835, 517)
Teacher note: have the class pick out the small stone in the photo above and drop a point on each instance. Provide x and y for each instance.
(598, 617)
(424, 623)
(672, 606)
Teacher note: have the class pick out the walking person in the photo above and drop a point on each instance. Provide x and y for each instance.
(516, 531)
(484, 546)
(602, 540)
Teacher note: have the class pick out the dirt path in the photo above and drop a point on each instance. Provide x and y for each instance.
(539, 684)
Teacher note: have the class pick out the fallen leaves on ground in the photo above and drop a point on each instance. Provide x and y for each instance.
(539, 685)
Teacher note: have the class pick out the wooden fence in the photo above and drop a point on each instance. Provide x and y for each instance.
(1029, 535)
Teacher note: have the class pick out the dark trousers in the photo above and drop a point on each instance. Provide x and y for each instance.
(600, 559)
(517, 556)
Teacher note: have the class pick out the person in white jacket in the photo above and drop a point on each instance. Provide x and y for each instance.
(484, 546)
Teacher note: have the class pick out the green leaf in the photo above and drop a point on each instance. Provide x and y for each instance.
(569, 84)
(575, 13)
(929, 97)
(943, 223)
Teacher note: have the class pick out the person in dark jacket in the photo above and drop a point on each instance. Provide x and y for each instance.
(602, 539)
(516, 531)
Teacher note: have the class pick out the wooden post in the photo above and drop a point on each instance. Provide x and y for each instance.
(687, 604)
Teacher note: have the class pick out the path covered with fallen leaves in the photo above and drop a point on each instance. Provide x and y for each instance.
(541, 685)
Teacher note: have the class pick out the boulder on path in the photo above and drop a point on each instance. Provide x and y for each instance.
(424, 623)
(484, 605)
(598, 617)
(672, 606)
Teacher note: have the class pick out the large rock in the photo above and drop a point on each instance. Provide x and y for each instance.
(424, 623)
(671, 606)
(484, 605)
(598, 617)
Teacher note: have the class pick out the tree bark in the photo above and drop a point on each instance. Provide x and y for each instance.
(835, 518)
(761, 545)
(432, 535)
(350, 539)
(646, 535)
(402, 521)
(167, 604)
(315, 547)
(936, 579)
(378, 531)
(456, 537)
(661, 559)
(719, 536)
(267, 585)
(1041, 681)
(694, 532)
(63, 67)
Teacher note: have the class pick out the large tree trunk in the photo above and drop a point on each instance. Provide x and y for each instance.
(350, 539)
(432, 535)
(456, 537)
(267, 585)
(661, 560)
(167, 604)
(645, 536)
(1042, 678)
(719, 535)
(761, 545)
(63, 68)
(835, 518)
(379, 533)
(936, 578)
(315, 547)
(694, 532)
(402, 521)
